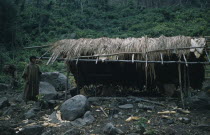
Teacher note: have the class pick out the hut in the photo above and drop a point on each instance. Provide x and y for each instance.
(138, 62)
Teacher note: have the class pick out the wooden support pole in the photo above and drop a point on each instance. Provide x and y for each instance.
(132, 58)
(185, 60)
(67, 83)
(185, 82)
(77, 61)
(161, 56)
(188, 83)
(77, 68)
(180, 85)
(97, 60)
(207, 55)
(146, 61)
(146, 70)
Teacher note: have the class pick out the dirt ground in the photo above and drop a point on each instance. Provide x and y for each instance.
(140, 115)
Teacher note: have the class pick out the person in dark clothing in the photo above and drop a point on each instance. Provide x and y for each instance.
(31, 75)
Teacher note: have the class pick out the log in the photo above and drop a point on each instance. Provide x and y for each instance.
(32, 47)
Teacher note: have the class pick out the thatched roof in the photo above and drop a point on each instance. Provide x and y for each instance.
(75, 48)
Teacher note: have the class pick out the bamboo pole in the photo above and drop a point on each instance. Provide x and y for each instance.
(143, 61)
(130, 61)
(32, 47)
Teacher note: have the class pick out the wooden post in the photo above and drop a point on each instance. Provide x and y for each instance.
(77, 67)
(146, 71)
(67, 81)
(188, 83)
(180, 85)
(207, 55)
(161, 56)
(185, 81)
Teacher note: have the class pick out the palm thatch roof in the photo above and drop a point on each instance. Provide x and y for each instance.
(76, 48)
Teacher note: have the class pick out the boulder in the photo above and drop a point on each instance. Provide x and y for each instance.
(109, 129)
(78, 122)
(47, 90)
(53, 118)
(73, 131)
(4, 102)
(32, 130)
(74, 107)
(31, 113)
(88, 118)
(58, 80)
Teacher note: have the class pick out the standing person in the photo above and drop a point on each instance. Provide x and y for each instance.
(31, 75)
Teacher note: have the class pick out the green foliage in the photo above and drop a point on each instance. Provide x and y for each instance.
(142, 122)
(40, 97)
(30, 23)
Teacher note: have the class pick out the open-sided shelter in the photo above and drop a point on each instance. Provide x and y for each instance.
(137, 62)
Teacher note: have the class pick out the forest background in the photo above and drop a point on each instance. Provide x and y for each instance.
(41, 22)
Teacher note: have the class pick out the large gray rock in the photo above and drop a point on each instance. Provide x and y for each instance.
(74, 107)
(47, 90)
(4, 102)
(58, 80)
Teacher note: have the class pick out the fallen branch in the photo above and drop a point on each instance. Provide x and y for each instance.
(104, 112)
(148, 101)
(180, 110)
(167, 112)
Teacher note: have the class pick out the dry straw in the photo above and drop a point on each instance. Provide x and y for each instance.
(122, 49)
